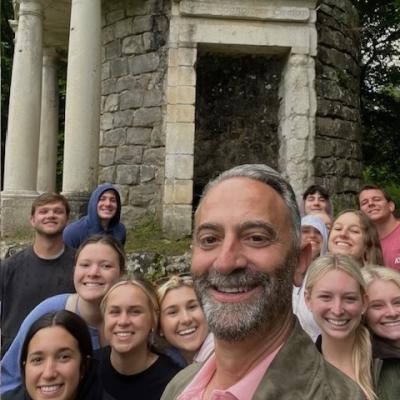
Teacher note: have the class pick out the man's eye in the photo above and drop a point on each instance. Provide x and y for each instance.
(207, 240)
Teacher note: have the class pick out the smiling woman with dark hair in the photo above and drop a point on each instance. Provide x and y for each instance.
(99, 263)
(56, 361)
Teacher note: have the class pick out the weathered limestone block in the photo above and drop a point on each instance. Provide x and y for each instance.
(106, 156)
(147, 116)
(114, 137)
(127, 174)
(181, 94)
(153, 97)
(106, 121)
(178, 191)
(154, 156)
(149, 41)
(105, 71)
(123, 118)
(157, 136)
(144, 194)
(119, 67)
(123, 28)
(131, 99)
(107, 34)
(142, 24)
(179, 166)
(107, 174)
(143, 63)
(180, 113)
(108, 86)
(147, 173)
(114, 16)
(326, 147)
(133, 45)
(138, 136)
(182, 56)
(181, 138)
(112, 50)
(132, 215)
(177, 219)
(129, 154)
(111, 103)
(181, 76)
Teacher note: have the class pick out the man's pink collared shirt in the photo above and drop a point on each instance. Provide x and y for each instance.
(242, 390)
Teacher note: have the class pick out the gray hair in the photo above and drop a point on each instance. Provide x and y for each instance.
(264, 174)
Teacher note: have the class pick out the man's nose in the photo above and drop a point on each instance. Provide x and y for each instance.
(230, 256)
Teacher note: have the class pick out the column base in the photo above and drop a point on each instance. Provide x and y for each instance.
(78, 202)
(15, 212)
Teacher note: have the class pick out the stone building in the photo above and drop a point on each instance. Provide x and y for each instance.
(164, 94)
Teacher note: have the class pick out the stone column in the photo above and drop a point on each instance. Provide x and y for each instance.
(82, 111)
(47, 163)
(25, 95)
(20, 167)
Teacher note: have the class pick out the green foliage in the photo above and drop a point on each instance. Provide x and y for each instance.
(380, 87)
(147, 236)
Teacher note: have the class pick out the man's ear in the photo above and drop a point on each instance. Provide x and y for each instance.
(304, 261)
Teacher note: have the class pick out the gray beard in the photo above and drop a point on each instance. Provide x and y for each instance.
(233, 322)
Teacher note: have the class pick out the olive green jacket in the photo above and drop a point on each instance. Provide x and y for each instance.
(298, 372)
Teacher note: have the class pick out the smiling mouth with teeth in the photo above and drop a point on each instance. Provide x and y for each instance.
(50, 388)
(338, 322)
(187, 331)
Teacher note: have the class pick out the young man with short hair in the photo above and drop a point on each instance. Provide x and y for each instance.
(39, 271)
(379, 207)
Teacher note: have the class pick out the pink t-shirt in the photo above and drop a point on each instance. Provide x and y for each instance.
(242, 390)
(391, 249)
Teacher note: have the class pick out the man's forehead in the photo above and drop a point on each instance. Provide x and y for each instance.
(51, 204)
(371, 193)
(242, 195)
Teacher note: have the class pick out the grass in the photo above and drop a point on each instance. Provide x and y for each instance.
(147, 236)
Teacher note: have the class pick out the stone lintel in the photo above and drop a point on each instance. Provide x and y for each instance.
(232, 11)
(228, 33)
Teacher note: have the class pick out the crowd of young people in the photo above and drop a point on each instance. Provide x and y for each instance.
(122, 337)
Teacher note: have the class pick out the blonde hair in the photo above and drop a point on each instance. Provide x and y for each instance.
(373, 272)
(173, 282)
(146, 287)
(362, 349)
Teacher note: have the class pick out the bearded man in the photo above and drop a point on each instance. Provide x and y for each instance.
(246, 247)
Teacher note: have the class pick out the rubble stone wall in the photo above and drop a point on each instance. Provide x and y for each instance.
(132, 148)
(337, 163)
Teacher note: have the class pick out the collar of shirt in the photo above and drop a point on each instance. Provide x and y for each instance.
(242, 390)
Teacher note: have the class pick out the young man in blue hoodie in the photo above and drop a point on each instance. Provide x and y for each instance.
(104, 213)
